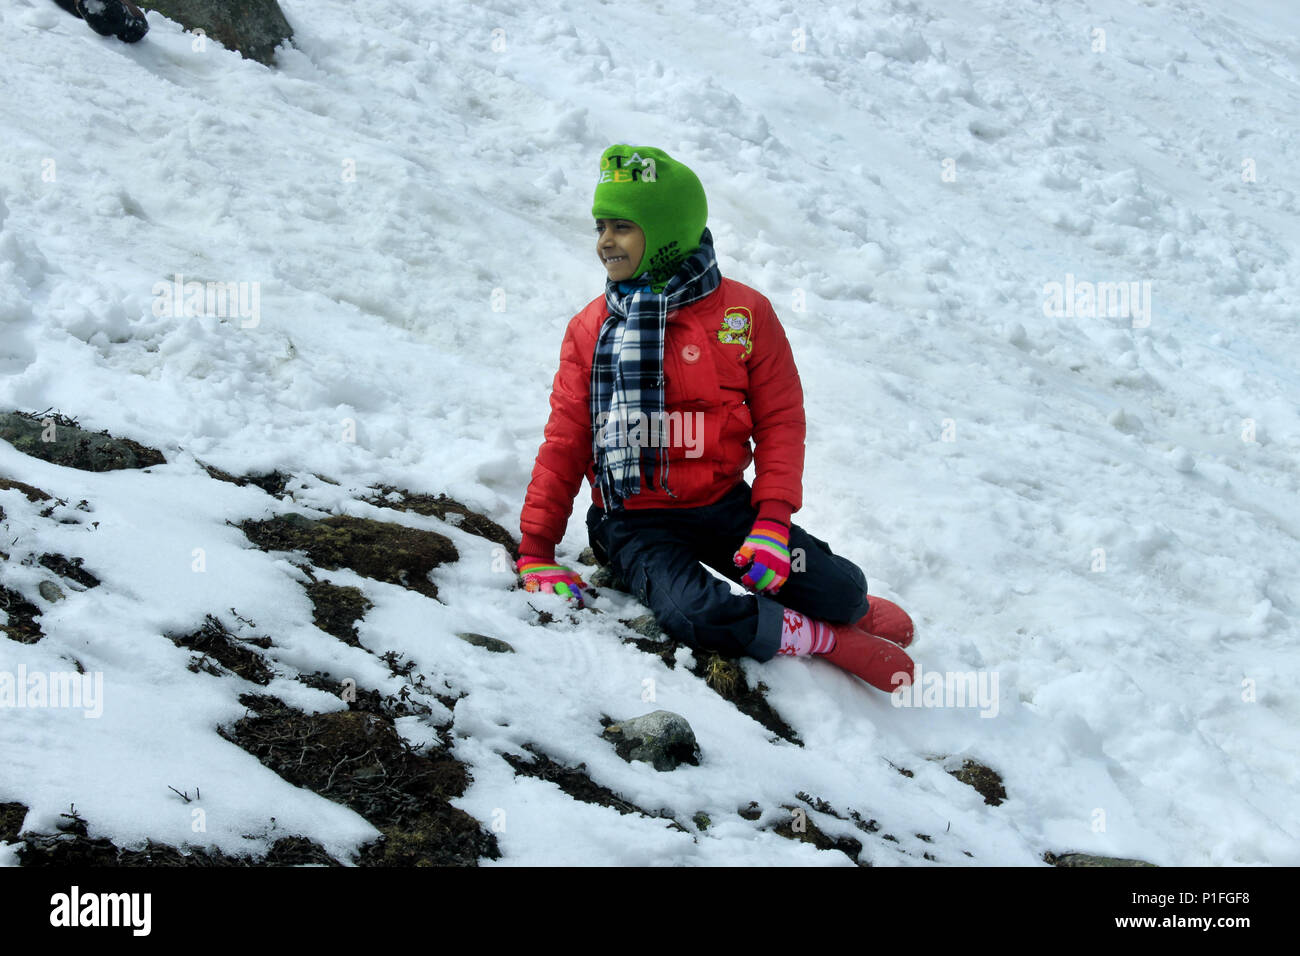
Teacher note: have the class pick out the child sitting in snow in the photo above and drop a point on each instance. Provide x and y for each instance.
(663, 381)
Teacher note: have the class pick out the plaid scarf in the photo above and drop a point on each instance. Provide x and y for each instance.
(627, 376)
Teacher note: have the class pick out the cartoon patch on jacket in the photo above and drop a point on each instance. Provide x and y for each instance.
(736, 325)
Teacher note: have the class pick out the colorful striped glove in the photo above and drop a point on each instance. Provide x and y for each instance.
(767, 553)
(549, 577)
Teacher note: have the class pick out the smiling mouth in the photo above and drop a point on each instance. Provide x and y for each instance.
(613, 259)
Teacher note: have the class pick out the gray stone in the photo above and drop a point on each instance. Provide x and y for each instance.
(253, 27)
(661, 738)
(50, 591)
(61, 441)
(495, 645)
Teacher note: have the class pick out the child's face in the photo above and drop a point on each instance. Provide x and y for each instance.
(620, 243)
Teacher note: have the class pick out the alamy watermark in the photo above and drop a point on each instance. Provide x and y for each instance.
(41, 689)
(223, 300)
(1089, 300)
(948, 689)
(618, 429)
(75, 908)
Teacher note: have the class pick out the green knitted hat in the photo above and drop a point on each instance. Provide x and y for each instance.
(659, 194)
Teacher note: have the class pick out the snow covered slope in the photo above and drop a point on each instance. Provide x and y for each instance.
(1097, 505)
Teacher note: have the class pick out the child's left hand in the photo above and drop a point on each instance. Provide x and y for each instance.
(767, 552)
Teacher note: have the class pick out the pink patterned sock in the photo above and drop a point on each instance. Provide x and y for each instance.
(801, 635)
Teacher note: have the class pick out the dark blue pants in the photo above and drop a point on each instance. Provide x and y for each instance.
(658, 551)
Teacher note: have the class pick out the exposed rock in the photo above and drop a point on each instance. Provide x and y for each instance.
(253, 27)
(71, 446)
(445, 509)
(376, 549)
(661, 738)
(493, 644)
(50, 591)
(1088, 859)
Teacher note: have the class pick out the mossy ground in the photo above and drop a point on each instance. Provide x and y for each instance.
(357, 758)
(447, 509)
(375, 549)
(336, 609)
(986, 781)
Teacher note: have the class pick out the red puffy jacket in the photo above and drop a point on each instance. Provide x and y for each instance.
(725, 356)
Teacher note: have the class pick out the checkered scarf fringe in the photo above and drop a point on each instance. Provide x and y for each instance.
(627, 374)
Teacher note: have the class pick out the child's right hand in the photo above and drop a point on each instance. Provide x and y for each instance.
(549, 577)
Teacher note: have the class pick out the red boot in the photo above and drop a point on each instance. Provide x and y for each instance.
(886, 619)
(872, 658)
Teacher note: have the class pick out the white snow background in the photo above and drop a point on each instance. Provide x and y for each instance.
(913, 174)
